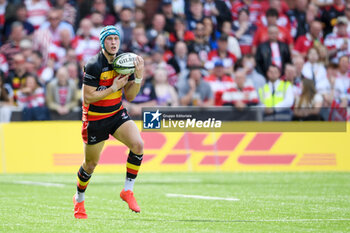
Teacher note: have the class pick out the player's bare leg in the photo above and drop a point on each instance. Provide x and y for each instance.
(92, 156)
(129, 134)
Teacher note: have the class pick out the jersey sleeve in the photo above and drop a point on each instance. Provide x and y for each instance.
(91, 75)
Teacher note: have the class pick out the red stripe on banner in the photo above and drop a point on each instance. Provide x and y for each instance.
(214, 160)
(263, 141)
(266, 159)
(119, 155)
(175, 159)
(132, 171)
(110, 102)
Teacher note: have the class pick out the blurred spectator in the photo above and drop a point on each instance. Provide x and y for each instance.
(195, 15)
(272, 52)
(21, 16)
(179, 61)
(316, 71)
(157, 56)
(252, 6)
(58, 49)
(210, 32)
(314, 37)
(26, 46)
(252, 74)
(162, 43)
(44, 73)
(139, 15)
(308, 105)
(180, 33)
(74, 74)
(55, 24)
(166, 8)
(97, 22)
(139, 43)
(125, 27)
(262, 34)
(297, 18)
(166, 94)
(16, 77)
(312, 13)
(232, 43)
(120, 4)
(219, 82)
(85, 43)
(6, 100)
(218, 12)
(244, 30)
(228, 59)
(196, 92)
(101, 7)
(282, 18)
(291, 76)
(330, 15)
(69, 12)
(280, 5)
(200, 45)
(37, 11)
(158, 24)
(342, 80)
(61, 96)
(31, 99)
(276, 96)
(347, 14)
(7, 11)
(10, 48)
(242, 94)
(338, 43)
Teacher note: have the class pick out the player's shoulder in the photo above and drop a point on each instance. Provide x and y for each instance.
(94, 62)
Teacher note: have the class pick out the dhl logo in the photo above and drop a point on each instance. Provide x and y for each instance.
(256, 151)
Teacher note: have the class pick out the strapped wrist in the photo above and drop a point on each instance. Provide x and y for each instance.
(138, 80)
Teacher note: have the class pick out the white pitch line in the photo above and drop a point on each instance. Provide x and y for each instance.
(46, 184)
(202, 197)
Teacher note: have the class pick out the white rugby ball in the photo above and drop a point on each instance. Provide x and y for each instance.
(124, 63)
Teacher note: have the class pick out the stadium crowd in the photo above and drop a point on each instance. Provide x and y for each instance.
(290, 58)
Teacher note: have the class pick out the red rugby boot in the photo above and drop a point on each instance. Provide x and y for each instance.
(128, 197)
(79, 209)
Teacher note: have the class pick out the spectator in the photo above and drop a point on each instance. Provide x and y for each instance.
(101, 7)
(195, 92)
(180, 33)
(291, 76)
(120, 4)
(219, 82)
(85, 43)
(330, 14)
(125, 27)
(179, 61)
(232, 42)
(44, 73)
(61, 96)
(4, 66)
(338, 44)
(251, 73)
(37, 11)
(97, 22)
(347, 14)
(139, 15)
(342, 81)
(252, 6)
(12, 46)
(222, 53)
(31, 99)
(262, 34)
(21, 16)
(308, 105)
(272, 52)
(210, 32)
(166, 94)
(276, 96)
(316, 71)
(139, 42)
(298, 62)
(242, 94)
(297, 18)
(244, 30)
(166, 9)
(6, 100)
(218, 12)
(158, 24)
(195, 15)
(314, 37)
(157, 56)
(69, 12)
(16, 77)
(200, 45)
(26, 46)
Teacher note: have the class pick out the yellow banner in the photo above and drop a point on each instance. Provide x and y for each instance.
(46, 147)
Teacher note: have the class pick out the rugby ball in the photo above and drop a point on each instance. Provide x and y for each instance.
(124, 63)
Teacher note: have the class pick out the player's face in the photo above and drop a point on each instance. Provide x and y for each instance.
(112, 44)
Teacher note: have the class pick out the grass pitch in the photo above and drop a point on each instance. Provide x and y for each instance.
(268, 202)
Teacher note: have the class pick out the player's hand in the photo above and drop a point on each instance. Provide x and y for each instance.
(119, 82)
(139, 67)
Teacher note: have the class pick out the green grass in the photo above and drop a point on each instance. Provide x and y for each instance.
(269, 202)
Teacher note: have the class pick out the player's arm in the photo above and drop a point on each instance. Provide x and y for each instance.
(91, 95)
(131, 89)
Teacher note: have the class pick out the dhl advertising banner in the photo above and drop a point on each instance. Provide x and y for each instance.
(46, 147)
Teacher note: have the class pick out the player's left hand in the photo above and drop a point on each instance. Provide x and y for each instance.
(139, 67)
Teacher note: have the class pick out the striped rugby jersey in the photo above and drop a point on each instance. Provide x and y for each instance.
(100, 74)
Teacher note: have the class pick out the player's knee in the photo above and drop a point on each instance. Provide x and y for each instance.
(137, 147)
